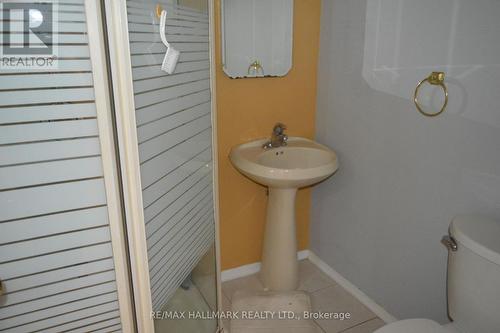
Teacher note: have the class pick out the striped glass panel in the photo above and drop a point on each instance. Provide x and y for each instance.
(56, 262)
(174, 133)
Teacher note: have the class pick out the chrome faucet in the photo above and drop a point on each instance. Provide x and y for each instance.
(278, 137)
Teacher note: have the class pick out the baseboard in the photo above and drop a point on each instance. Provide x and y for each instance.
(245, 270)
(351, 288)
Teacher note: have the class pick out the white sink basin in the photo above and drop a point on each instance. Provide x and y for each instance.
(300, 163)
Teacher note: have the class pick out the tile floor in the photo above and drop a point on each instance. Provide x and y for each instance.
(192, 299)
(326, 296)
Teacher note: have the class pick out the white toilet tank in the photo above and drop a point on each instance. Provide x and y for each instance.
(474, 275)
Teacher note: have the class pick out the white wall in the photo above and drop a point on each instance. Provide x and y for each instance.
(378, 221)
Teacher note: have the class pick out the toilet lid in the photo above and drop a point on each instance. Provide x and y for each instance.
(413, 326)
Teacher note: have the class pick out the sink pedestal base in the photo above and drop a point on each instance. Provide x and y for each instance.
(280, 270)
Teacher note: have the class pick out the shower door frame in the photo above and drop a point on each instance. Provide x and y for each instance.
(121, 74)
(102, 97)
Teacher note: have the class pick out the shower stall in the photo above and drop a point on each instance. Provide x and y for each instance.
(108, 204)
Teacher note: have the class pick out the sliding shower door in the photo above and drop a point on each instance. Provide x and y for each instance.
(168, 126)
(62, 267)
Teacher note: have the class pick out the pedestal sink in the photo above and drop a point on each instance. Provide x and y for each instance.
(302, 162)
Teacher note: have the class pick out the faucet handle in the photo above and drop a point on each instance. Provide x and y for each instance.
(279, 128)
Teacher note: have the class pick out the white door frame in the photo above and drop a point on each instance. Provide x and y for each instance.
(95, 31)
(215, 154)
(121, 71)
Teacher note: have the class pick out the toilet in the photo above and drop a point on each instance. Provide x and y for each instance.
(473, 281)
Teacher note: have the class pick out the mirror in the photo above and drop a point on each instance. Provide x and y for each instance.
(256, 37)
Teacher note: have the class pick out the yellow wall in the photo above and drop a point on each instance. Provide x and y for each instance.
(247, 109)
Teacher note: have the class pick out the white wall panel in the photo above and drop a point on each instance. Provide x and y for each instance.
(403, 177)
(174, 132)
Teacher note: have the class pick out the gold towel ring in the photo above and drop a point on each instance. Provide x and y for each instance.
(436, 79)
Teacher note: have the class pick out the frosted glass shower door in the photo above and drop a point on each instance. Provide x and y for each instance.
(171, 129)
(60, 225)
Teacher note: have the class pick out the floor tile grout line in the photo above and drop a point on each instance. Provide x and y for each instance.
(358, 324)
(331, 284)
(319, 326)
(320, 289)
(225, 295)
